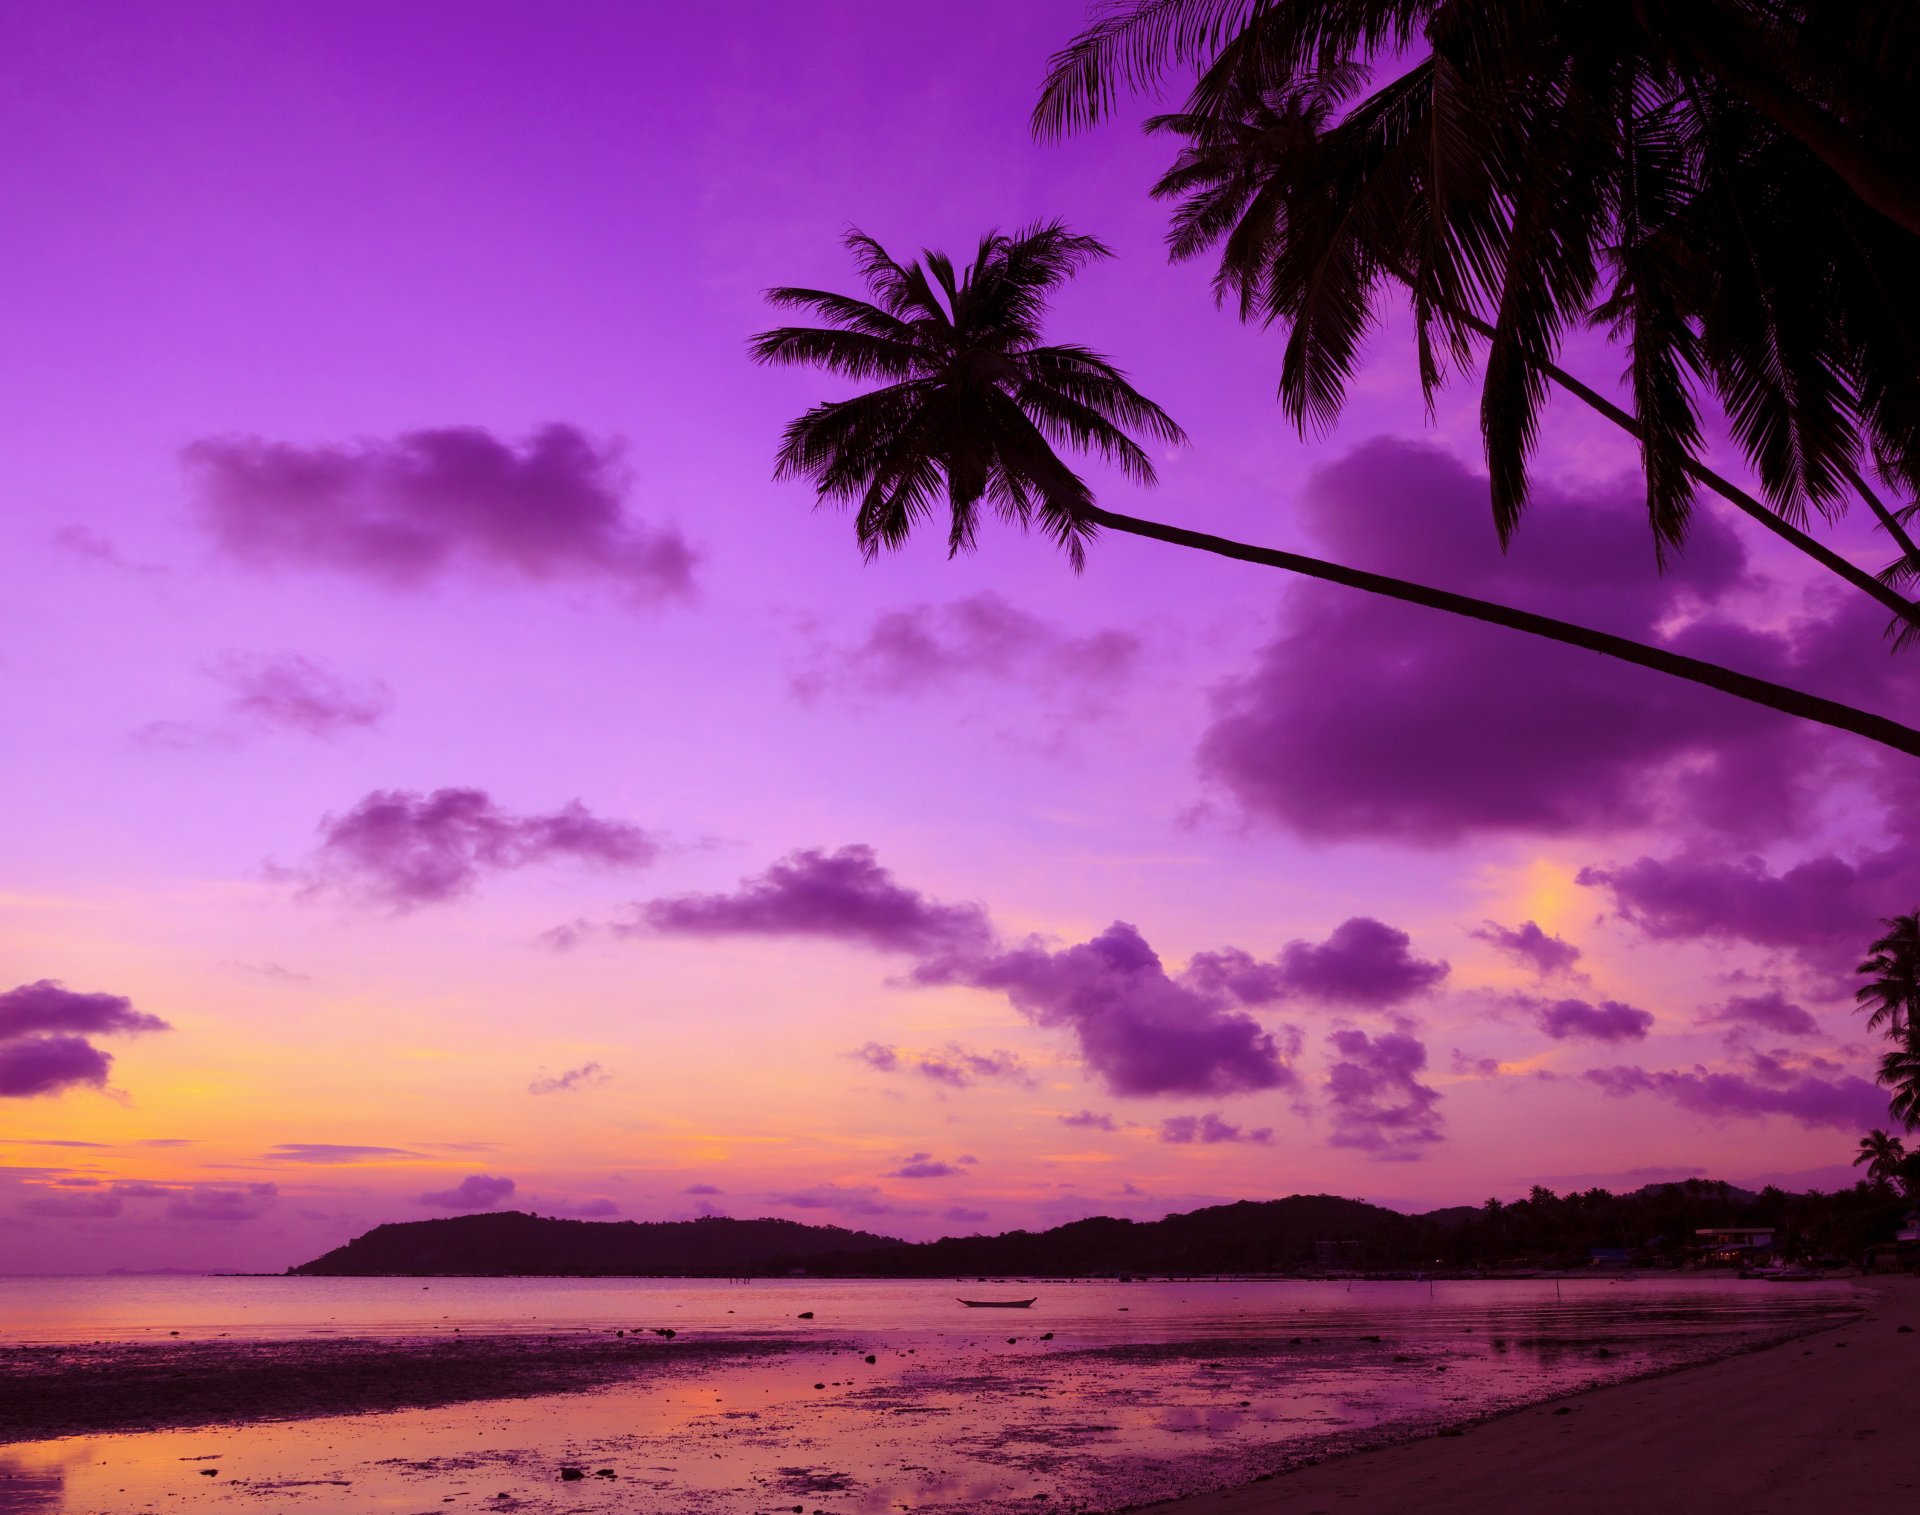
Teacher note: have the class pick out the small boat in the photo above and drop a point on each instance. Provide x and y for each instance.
(998, 1304)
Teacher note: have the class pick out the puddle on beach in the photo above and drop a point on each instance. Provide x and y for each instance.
(1122, 1406)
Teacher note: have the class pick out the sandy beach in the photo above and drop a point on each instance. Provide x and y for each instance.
(1821, 1422)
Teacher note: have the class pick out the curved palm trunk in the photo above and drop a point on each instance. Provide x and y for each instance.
(1808, 707)
(1784, 529)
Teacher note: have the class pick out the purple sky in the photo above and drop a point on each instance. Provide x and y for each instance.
(448, 773)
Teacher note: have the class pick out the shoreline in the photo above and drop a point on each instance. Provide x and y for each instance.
(49, 1392)
(1816, 1420)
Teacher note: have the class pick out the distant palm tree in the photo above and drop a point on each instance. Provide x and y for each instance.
(971, 405)
(1883, 1154)
(1733, 186)
(1892, 994)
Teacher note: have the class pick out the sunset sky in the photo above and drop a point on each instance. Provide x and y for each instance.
(447, 772)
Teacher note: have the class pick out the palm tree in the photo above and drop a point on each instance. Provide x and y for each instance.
(1672, 168)
(1892, 994)
(1883, 1155)
(972, 405)
(1900, 1072)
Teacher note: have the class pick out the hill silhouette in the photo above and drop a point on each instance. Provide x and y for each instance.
(512, 1242)
(1654, 1223)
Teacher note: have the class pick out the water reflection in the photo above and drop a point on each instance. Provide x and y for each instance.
(26, 1489)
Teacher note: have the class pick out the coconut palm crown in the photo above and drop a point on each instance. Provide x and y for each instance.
(1891, 996)
(1883, 1154)
(974, 403)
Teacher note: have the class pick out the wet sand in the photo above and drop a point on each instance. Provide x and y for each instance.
(1820, 1422)
(49, 1391)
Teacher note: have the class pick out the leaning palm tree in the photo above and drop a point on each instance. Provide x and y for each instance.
(1891, 994)
(1709, 178)
(969, 405)
(1883, 1154)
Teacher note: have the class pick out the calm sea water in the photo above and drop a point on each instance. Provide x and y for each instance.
(1144, 1391)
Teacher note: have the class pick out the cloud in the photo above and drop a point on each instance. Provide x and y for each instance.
(982, 638)
(84, 542)
(586, 1076)
(1845, 1103)
(85, 1205)
(843, 896)
(702, 1189)
(1139, 1030)
(1527, 943)
(923, 1165)
(1822, 909)
(1209, 1130)
(1363, 962)
(47, 1005)
(877, 1056)
(413, 509)
(1608, 1021)
(1088, 1120)
(847, 1199)
(477, 1192)
(221, 1204)
(599, 1208)
(43, 1031)
(1364, 718)
(1764, 1012)
(961, 1215)
(1379, 1104)
(332, 1152)
(403, 849)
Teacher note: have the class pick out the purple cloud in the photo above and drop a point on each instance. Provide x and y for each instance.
(1764, 1012)
(1379, 1104)
(479, 1191)
(1088, 1120)
(332, 1152)
(982, 637)
(875, 1055)
(845, 896)
(1608, 1021)
(702, 1189)
(1364, 718)
(48, 1005)
(961, 1215)
(406, 511)
(1845, 1103)
(586, 1076)
(86, 1205)
(84, 542)
(1362, 962)
(923, 1165)
(961, 1067)
(1210, 1130)
(1139, 1030)
(404, 850)
(1527, 943)
(1821, 910)
(846, 1199)
(296, 693)
(599, 1208)
(221, 1204)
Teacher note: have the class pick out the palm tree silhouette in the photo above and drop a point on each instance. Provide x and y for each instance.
(1729, 185)
(1883, 1154)
(973, 404)
(1892, 994)
(1900, 1072)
